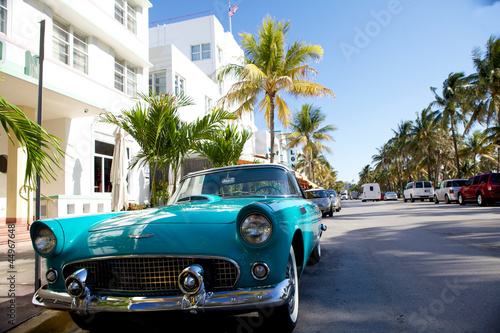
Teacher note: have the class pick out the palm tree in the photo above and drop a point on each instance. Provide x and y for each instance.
(42, 148)
(487, 82)
(164, 139)
(453, 92)
(476, 145)
(223, 148)
(366, 175)
(308, 132)
(425, 134)
(402, 137)
(270, 67)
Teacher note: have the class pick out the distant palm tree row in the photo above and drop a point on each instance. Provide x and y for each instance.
(433, 146)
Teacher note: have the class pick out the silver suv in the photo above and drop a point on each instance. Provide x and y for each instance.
(448, 190)
(419, 190)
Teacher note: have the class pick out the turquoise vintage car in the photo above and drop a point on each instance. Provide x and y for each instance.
(233, 238)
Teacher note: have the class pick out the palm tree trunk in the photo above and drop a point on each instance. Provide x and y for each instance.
(455, 145)
(271, 125)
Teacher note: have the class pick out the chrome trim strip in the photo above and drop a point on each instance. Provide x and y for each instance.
(239, 299)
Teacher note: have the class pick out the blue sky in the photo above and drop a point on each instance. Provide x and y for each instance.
(380, 57)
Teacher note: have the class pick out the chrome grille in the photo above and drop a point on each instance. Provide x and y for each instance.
(152, 274)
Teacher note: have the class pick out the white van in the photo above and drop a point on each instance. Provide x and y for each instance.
(371, 191)
(419, 190)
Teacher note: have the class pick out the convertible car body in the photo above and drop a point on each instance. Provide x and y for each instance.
(234, 238)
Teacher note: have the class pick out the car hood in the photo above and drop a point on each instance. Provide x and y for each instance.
(185, 228)
(194, 212)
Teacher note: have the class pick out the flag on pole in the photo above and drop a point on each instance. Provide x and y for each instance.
(232, 10)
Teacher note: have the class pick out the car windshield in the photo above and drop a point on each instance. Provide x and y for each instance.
(237, 182)
(316, 194)
(332, 193)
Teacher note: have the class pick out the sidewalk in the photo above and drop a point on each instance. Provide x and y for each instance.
(17, 313)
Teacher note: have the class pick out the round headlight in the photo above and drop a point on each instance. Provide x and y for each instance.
(256, 229)
(45, 241)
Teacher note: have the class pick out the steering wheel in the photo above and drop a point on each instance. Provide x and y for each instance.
(268, 186)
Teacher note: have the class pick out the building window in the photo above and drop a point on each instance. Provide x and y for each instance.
(125, 77)
(3, 16)
(70, 46)
(180, 84)
(208, 104)
(103, 157)
(158, 83)
(126, 14)
(200, 51)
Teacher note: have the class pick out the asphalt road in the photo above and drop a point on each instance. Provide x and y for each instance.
(386, 267)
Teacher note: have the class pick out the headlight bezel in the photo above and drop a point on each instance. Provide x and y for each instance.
(258, 224)
(52, 242)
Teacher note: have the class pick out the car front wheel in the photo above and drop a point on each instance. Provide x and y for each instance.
(436, 200)
(284, 318)
(331, 211)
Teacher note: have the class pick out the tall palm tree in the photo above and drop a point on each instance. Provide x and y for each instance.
(42, 148)
(426, 134)
(476, 145)
(271, 66)
(164, 139)
(402, 137)
(453, 92)
(487, 84)
(309, 132)
(366, 175)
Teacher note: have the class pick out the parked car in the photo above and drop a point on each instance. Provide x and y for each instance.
(448, 190)
(371, 191)
(391, 196)
(354, 195)
(337, 202)
(344, 195)
(483, 189)
(230, 239)
(321, 198)
(382, 195)
(418, 190)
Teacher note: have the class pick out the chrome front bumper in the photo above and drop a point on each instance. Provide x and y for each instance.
(239, 299)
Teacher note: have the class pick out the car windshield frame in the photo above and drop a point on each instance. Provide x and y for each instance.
(237, 182)
(316, 194)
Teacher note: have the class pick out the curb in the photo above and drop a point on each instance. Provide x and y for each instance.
(48, 321)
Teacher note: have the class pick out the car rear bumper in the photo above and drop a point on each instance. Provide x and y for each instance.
(239, 300)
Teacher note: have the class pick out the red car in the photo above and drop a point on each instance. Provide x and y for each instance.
(483, 188)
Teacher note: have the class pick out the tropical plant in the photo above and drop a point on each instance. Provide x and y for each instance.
(42, 148)
(477, 145)
(308, 132)
(366, 175)
(224, 147)
(164, 139)
(269, 67)
(454, 88)
(487, 83)
(425, 135)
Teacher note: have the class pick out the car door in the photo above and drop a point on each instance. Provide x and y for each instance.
(470, 193)
(441, 191)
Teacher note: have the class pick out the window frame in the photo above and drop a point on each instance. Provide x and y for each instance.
(126, 15)
(103, 158)
(155, 85)
(4, 12)
(75, 44)
(179, 84)
(128, 75)
(201, 54)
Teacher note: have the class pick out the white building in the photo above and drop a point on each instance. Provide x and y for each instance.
(96, 59)
(185, 57)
